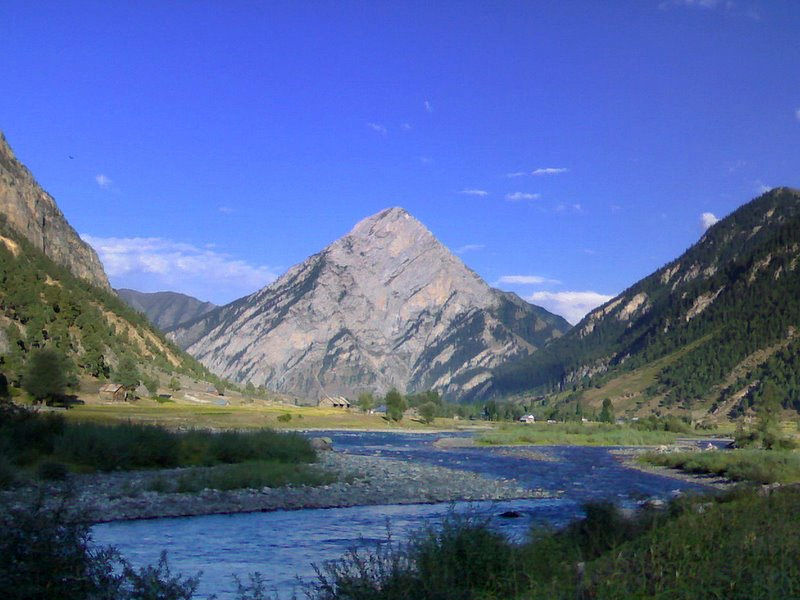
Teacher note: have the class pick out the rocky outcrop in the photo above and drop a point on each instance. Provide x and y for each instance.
(385, 306)
(165, 310)
(33, 213)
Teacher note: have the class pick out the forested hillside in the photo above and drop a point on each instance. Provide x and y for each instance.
(723, 317)
(43, 305)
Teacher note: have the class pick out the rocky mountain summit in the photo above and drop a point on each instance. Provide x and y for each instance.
(165, 310)
(33, 213)
(387, 305)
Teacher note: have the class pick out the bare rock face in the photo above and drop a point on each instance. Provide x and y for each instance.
(385, 306)
(33, 213)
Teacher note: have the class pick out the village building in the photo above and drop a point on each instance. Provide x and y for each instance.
(112, 391)
(334, 402)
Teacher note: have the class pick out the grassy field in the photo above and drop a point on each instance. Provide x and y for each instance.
(575, 434)
(180, 415)
(760, 466)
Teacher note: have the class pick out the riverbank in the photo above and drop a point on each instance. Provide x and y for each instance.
(361, 480)
(629, 458)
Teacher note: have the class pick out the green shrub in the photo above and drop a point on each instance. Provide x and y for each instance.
(46, 556)
(118, 447)
(251, 475)
(284, 418)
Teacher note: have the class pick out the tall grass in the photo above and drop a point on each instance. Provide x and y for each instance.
(759, 466)
(28, 438)
(743, 546)
(583, 434)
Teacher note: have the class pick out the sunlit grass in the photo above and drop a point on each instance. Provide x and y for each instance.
(575, 434)
(760, 466)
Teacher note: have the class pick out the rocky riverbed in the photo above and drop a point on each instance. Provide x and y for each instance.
(361, 480)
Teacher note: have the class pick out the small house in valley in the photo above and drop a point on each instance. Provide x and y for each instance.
(527, 419)
(112, 391)
(334, 402)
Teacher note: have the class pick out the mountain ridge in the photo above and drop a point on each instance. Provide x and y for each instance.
(34, 214)
(731, 295)
(370, 311)
(165, 309)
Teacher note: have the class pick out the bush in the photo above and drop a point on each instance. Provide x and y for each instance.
(46, 556)
(460, 559)
(284, 418)
(52, 471)
(115, 447)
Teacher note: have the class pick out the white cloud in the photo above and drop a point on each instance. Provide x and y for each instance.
(225, 209)
(707, 219)
(797, 114)
(526, 279)
(378, 128)
(573, 306)
(428, 106)
(473, 192)
(549, 171)
(691, 3)
(517, 196)
(405, 126)
(761, 187)
(156, 264)
(103, 180)
(516, 174)
(469, 248)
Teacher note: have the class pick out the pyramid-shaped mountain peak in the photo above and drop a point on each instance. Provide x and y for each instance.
(387, 305)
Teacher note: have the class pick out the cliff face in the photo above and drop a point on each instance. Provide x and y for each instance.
(385, 306)
(33, 213)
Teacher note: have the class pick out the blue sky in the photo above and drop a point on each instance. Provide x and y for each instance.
(565, 150)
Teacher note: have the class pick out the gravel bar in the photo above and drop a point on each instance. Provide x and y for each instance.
(362, 480)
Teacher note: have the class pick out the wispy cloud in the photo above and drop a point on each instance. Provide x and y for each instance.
(549, 171)
(519, 196)
(473, 192)
(469, 248)
(428, 106)
(707, 219)
(734, 7)
(691, 3)
(378, 128)
(797, 114)
(527, 280)
(405, 126)
(225, 209)
(103, 181)
(569, 208)
(153, 264)
(761, 187)
(516, 174)
(571, 305)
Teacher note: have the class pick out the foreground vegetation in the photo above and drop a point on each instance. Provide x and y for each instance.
(740, 546)
(47, 445)
(576, 434)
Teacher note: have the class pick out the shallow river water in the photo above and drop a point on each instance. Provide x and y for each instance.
(283, 545)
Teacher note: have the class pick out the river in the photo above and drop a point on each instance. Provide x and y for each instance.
(283, 545)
